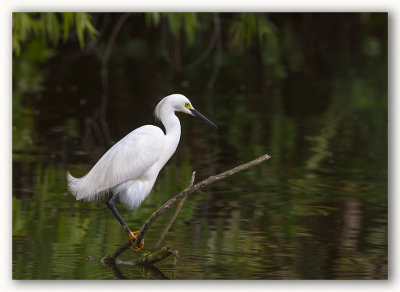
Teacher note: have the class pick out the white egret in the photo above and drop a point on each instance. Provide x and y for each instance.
(130, 167)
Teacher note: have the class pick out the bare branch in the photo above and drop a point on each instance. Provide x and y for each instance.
(184, 194)
(171, 221)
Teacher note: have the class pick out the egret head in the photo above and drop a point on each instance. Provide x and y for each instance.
(179, 103)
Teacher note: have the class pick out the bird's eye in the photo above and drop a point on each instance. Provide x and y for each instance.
(187, 105)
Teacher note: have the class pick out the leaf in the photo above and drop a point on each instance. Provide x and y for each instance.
(152, 18)
(90, 28)
(80, 28)
(82, 23)
(174, 23)
(236, 31)
(68, 21)
(250, 24)
(190, 26)
(53, 27)
(16, 44)
(49, 26)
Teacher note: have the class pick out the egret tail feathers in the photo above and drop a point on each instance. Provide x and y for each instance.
(78, 187)
(72, 184)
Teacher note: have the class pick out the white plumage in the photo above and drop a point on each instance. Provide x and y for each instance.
(130, 167)
(123, 166)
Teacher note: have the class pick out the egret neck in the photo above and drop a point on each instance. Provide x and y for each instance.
(172, 127)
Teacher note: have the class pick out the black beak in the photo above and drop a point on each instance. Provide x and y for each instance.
(199, 115)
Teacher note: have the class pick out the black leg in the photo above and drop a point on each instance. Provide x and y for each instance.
(111, 206)
(132, 236)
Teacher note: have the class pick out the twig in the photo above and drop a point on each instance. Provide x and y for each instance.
(211, 45)
(173, 217)
(112, 256)
(187, 192)
(152, 258)
(217, 64)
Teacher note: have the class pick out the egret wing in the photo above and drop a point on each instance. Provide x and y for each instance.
(128, 159)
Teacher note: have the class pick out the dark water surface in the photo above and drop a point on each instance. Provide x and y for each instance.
(316, 210)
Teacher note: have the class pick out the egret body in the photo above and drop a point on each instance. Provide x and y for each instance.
(130, 167)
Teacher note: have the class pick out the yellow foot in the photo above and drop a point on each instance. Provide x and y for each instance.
(132, 237)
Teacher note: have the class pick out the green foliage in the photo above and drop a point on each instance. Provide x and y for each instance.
(152, 18)
(82, 24)
(177, 22)
(191, 26)
(28, 78)
(49, 26)
(249, 26)
(243, 30)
